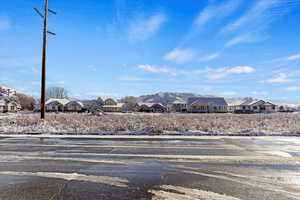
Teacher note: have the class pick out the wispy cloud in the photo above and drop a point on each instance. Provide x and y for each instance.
(5, 23)
(280, 78)
(288, 58)
(242, 38)
(216, 11)
(181, 55)
(251, 26)
(144, 28)
(165, 70)
(209, 57)
(207, 72)
(19, 62)
(223, 72)
(292, 89)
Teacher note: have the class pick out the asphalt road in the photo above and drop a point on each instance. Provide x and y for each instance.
(229, 168)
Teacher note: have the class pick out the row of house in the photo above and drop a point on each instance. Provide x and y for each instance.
(62, 105)
(192, 105)
(111, 105)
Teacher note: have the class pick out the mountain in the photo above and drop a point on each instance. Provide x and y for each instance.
(166, 97)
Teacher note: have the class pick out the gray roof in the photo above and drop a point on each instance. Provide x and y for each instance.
(207, 100)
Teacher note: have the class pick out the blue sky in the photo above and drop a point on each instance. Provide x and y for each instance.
(116, 48)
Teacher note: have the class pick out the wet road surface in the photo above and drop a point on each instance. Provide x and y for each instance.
(228, 168)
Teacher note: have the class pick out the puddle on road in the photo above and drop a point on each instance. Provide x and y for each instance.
(113, 181)
(169, 192)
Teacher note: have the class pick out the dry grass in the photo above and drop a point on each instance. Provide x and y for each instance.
(153, 123)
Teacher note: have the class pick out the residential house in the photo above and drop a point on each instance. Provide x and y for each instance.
(152, 107)
(111, 105)
(56, 105)
(62, 105)
(206, 105)
(7, 105)
(286, 108)
(74, 106)
(145, 107)
(158, 108)
(252, 106)
(179, 106)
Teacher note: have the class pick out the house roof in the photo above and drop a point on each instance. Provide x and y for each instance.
(75, 101)
(149, 104)
(179, 101)
(4, 102)
(61, 101)
(208, 100)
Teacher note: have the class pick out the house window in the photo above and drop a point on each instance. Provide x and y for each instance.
(244, 107)
(12, 108)
(273, 107)
(255, 107)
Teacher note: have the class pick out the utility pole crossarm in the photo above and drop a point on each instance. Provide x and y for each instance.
(51, 11)
(51, 33)
(39, 13)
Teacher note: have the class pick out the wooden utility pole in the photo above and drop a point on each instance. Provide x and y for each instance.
(45, 36)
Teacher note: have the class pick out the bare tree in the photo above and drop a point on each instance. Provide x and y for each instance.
(27, 102)
(57, 93)
(130, 103)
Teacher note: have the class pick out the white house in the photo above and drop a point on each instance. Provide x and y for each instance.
(7, 105)
(74, 106)
(56, 105)
(179, 106)
(207, 105)
(111, 105)
(62, 105)
(252, 106)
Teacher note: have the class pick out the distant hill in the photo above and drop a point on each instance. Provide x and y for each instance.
(166, 97)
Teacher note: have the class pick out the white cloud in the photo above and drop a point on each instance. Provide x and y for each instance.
(216, 11)
(288, 58)
(281, 78)
(251, 26)
(151, 68)
(240, 69)
(129, 78)
(180, 55)
(5, 24)
(154, 69)
(292, 89)
(243, 38)
(210, 57)
(144, 28)
(223, 72)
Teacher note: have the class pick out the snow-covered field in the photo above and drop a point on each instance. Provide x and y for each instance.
(233, 124)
